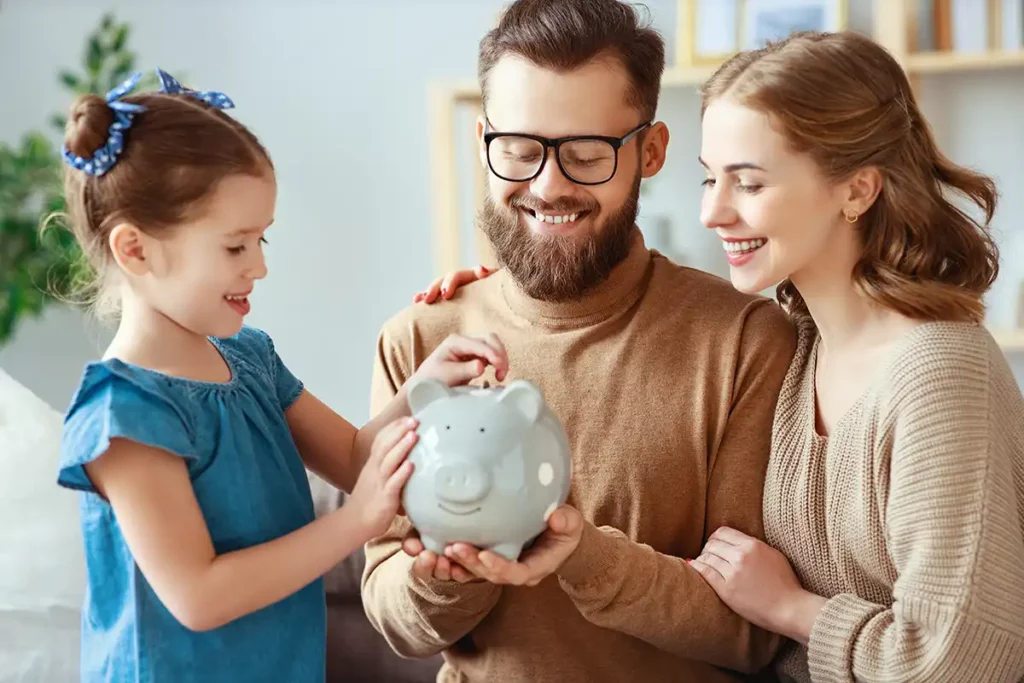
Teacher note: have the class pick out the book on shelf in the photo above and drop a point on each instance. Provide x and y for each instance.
(969, 26)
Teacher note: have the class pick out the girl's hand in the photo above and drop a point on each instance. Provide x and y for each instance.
(377, 494)
(460, 359)
(757, 582)
(446, 285)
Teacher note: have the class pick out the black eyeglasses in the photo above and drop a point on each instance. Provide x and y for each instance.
(584, 159)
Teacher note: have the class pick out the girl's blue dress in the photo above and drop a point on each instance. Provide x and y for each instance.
(251, 486)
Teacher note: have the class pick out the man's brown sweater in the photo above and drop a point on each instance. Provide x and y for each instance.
(666, 379)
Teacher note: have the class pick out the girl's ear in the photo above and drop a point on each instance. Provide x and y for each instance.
(128, 245)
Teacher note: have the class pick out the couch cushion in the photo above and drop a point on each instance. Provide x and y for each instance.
(42, 563)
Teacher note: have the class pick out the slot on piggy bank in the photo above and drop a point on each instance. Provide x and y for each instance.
(491, 465)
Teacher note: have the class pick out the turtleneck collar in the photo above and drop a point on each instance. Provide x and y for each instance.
(622, 288)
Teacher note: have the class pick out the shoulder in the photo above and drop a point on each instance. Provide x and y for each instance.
(756, 322)
(950, 377)
(118, 400)
(429, 324)
(250, 342)
(938, 355)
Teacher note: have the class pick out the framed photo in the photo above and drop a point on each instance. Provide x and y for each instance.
(709, 30)
(765, 20)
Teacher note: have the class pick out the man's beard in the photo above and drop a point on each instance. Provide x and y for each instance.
(551, 267)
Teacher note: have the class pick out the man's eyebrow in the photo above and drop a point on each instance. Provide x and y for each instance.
(732, 168)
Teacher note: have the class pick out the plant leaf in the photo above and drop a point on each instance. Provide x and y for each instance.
(120, 38)
(94, 58)
(70, 80)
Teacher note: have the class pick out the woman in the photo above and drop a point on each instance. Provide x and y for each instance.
(894, 499)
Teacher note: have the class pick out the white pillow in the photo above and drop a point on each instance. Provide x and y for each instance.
(42, 565)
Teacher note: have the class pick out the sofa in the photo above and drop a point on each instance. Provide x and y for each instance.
(42, 569)
(356, 652)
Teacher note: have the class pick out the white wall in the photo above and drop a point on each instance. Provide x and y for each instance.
(337, 91)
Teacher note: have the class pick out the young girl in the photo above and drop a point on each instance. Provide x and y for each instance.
(190, 439)
(894, 497)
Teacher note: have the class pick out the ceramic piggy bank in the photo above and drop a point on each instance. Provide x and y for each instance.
(491, 465)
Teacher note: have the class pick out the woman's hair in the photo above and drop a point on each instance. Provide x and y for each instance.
(174, 154)
(842, 99)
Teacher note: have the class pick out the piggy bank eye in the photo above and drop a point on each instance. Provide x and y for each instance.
(481, 430)
(447, 426)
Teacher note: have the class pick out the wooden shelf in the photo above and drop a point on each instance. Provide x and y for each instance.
(946, 62)
(1010, 340)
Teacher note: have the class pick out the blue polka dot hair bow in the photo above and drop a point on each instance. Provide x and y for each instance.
(170, 85)
(106, 156)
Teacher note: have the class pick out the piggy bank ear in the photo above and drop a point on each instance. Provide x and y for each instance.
(422, 392)
(525, 397)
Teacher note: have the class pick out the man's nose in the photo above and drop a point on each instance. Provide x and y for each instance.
(552, 185)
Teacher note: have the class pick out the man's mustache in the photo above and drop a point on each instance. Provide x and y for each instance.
(559, 207)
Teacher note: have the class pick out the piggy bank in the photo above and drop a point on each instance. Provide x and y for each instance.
(491, 465)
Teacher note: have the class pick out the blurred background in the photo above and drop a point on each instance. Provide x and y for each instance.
(340, 92)
(367, 108)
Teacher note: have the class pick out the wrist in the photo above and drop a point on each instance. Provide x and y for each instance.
(798, 616)
(350, 524)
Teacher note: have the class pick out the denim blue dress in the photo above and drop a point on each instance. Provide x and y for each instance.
(251, 486)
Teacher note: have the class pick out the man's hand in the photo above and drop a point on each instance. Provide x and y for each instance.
(429, 566)
(552, 549)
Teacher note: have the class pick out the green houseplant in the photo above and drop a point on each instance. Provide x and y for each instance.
(38, 267)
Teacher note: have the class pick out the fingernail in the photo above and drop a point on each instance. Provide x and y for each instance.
(485, 269)
(444, 292)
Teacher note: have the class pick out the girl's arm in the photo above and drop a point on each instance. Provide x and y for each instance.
(335, 450)
(156, 509)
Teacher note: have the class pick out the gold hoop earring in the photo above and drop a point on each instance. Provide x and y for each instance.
(851, 216)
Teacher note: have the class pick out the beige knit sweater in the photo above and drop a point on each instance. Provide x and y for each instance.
(909, 517)
(666, 379)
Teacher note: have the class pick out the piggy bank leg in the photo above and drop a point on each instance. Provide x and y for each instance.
(432, 544)
(510, 551)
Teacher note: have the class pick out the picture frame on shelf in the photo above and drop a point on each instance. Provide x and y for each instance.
(709, 31)
(767, 20)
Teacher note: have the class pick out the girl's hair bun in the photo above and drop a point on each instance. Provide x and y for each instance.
(88, 125)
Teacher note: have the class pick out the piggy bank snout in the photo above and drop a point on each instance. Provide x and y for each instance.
(462, 482)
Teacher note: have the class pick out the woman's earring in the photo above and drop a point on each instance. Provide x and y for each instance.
(850, 215)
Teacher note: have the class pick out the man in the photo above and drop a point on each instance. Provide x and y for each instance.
(666, 379)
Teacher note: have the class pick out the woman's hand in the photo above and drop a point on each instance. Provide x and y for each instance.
(446, 285)
(460, 359)
(757, 582)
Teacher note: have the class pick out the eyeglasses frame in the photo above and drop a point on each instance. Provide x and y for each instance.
(556, 143)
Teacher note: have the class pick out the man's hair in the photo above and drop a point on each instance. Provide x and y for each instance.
(564, 35)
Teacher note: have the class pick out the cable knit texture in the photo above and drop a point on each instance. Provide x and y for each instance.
(909, 516)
